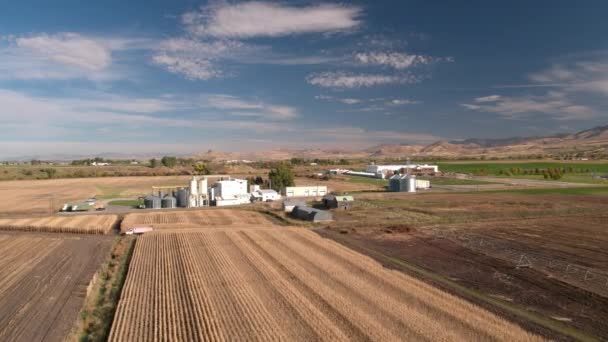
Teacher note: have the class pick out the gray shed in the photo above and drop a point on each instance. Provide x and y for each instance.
(311, 214)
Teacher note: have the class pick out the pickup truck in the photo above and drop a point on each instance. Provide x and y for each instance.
(139, 230)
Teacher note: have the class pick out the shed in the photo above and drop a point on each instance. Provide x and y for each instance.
(288, 205)
(335, 201)
(311, 214)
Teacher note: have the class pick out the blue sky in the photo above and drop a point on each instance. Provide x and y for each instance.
(187, 76)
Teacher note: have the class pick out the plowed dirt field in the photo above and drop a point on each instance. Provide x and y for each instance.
(285, 284)
(43, 282)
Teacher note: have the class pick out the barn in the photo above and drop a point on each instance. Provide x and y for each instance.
(335, 201)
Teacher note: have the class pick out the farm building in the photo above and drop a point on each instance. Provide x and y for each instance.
(334, 201)
(311, 214)
(423, 184)
(288, 205)
(402, 183)
(305, 191)
(263, 195)
(381, 171)
(229, 192)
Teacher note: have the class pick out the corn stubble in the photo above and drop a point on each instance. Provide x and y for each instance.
(284, 284)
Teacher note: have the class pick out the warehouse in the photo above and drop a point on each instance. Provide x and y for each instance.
(311, 214)
(382, 171)
(305, 191)
(341, 202)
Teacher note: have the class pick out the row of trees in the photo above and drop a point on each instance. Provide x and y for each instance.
(278, 178)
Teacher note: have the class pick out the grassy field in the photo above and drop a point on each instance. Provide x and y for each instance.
(127, 203)
(434, 181)
(494, 168)
(588, 191)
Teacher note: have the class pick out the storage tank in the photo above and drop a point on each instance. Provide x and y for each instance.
(182, 198)
(411, 184)
(152, 202)
(168, 202)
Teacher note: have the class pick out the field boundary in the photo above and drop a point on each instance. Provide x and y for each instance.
(103, 294)
(462, 291)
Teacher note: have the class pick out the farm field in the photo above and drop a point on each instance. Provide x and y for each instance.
(43, 282)
(284, 284)
(83, 224)
(544, 251)
(27, 197)
(193, 219)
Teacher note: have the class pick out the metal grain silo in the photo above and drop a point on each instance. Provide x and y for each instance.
(168, 202)
(182, 198)
(152, 202)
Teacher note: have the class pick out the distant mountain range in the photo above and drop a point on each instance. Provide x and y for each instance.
(592, 141)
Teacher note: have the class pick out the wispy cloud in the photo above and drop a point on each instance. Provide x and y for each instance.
(269, 19)
(553, 104)
(351, 80)
(240, 107)
(396, 60)
(571, 83)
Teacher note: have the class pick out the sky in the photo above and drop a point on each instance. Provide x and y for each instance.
(187, 76)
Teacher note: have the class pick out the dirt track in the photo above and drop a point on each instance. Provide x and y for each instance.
(43, 282)
(284, 284)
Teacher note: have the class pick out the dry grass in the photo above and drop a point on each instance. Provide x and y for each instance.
(83, 224)
(284, 284)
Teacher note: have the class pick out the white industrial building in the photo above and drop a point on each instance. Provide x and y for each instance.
(229, 192)
(381, 170)
(263, 195)
(305, 191)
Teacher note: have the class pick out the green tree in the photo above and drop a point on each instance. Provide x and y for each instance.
(50, 172)
(280, 177)
(169, 161)
(153, 163)
(201, 169)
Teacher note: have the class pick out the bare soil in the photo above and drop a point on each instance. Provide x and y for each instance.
(546, 254)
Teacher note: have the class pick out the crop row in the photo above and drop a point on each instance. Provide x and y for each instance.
(82, 224)
(284, 284)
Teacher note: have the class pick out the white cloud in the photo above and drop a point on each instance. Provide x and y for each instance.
(351, 80)
(191, 67)
(64, 56)
(397, 60)
(68, 48)
(270, 19)
(350, 101)
(490, 98)
(401, 102)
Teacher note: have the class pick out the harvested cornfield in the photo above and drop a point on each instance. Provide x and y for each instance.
(82, 224)
(176, 220)
(284, 284)
(43, 282)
